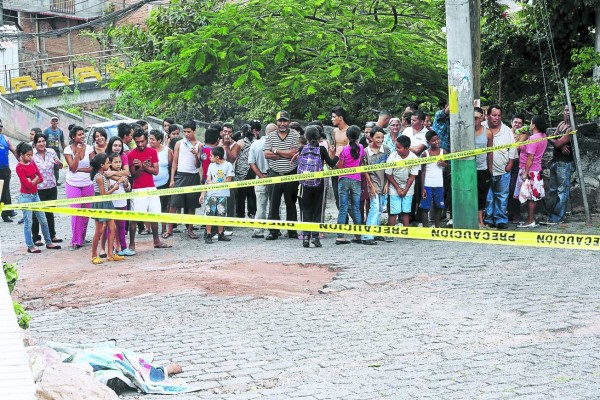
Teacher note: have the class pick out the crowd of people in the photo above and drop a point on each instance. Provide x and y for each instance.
(142, 160)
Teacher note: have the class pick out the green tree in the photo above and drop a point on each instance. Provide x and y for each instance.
(221, 60)
(526, 55)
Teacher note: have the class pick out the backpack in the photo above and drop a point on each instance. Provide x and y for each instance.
(310, 160)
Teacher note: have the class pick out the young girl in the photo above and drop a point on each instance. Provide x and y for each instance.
(102, 186)
(349, 185)
(30, 176)
(116, 165)
(377, 184)
(310, 159)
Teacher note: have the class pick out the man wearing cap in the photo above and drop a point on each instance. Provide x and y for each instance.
(5, 147)
(280, 148)
(55, 140)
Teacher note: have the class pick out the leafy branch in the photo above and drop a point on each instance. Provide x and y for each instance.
(12, 276)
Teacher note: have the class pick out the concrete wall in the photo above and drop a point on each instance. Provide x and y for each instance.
(66, 118)
(87, 92)
(18, 118)
(91, 118)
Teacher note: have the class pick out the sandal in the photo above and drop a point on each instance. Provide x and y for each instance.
(56, 240)
(39, 243)
(166, 235)
(33, 250)
(342, 242)
(53, 247)
(145, 232)
(97, 260)
(192, 235)
(116, 257)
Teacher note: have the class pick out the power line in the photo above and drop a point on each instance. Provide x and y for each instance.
(58, 15)
(114, 16)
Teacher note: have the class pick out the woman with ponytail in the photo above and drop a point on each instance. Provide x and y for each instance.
(310, 159)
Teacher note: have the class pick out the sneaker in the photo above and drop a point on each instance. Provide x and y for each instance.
(389, 239)
(379, 238)
(228, 233)
(317, 242)
(126, 252)
(258, 236)
(531, 225)
(502, 226)
(306, 242)
(293, 235)
(369, 242)
(450, 222)
(223, 238)
(208, 240)
(21, 221)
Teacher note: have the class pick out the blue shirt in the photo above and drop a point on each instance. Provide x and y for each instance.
(441, 126)
(55, 137)
(4, 149)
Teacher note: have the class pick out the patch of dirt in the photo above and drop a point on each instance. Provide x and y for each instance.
(68, 281)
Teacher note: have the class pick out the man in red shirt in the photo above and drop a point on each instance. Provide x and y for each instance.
(143, 164)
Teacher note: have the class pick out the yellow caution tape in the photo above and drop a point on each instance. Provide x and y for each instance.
(273, 180)
(510, 238)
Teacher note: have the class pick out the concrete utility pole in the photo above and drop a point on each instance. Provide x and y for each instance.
(462, 122)
(475, 6)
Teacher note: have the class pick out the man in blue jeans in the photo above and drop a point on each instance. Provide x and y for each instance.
(561, 169)
(500, 163)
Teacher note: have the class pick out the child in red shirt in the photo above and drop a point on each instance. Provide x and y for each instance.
(30, 176)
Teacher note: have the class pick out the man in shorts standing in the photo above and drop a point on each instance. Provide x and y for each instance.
(184, 172)
(143, 164)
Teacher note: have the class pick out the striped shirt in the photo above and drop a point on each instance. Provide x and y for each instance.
(290, 141)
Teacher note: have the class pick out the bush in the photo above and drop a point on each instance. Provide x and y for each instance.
(12, 276)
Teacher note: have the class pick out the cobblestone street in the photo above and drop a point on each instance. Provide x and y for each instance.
(410, 319)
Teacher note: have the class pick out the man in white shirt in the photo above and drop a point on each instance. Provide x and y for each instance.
(500, 163)
(416, 133)
(260, 166)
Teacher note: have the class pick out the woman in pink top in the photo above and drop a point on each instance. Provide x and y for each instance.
(349, 185)
(530, 185)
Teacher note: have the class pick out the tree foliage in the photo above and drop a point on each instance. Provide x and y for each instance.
(222, 60)
(544, 41)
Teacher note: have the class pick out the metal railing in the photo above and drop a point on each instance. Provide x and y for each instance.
(63, 6)
(103, 61)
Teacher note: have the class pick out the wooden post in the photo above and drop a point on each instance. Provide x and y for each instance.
(586, 207)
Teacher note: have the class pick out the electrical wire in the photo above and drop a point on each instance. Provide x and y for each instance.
(111, 17)
(58, 14)
(550, 42)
